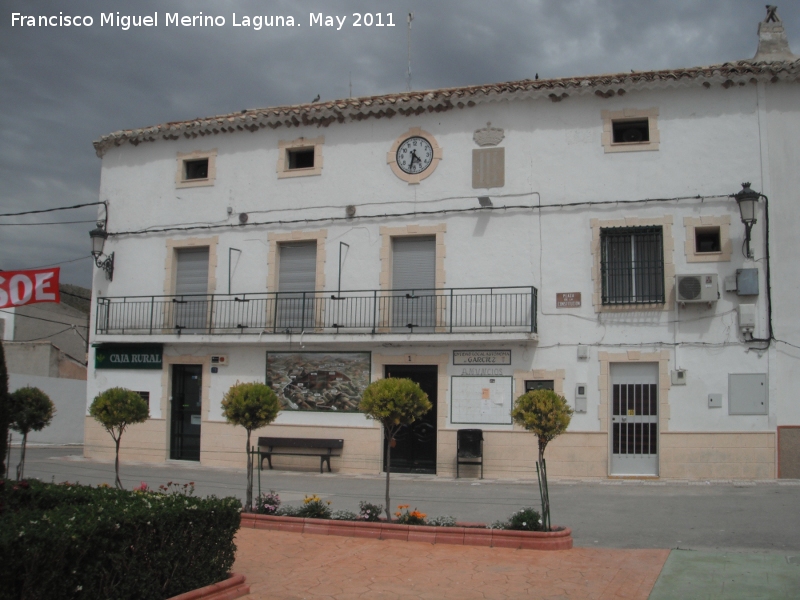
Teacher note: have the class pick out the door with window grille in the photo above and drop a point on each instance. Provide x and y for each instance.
(634, 419)
(191, 290)
(297, 280)
(414, 282)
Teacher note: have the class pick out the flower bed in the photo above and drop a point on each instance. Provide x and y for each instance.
(231, 588)
(462, 534)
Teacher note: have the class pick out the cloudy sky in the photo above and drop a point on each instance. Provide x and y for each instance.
(63, 87)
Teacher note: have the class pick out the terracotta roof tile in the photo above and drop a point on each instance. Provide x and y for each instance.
(323, 114)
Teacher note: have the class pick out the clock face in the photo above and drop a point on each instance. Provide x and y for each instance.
(414, 155)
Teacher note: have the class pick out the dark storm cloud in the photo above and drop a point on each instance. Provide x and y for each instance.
(64, 87)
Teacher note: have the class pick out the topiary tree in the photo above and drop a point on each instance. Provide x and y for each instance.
(393, 403)
(546, 414)
(251, 405)
(30, 409)
(115, 409)
(4, 411)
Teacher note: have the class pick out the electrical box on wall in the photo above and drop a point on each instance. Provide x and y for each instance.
(220, 360)
(583, 351)
(580, 397)
(715, 401)
(747, 319)
(747, 282)
(747, 394)
(679, 377)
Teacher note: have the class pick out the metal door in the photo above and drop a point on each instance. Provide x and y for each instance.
(634, 419)
(414, 450)
(185, 412)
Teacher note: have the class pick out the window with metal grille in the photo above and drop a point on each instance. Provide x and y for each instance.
(632, 265)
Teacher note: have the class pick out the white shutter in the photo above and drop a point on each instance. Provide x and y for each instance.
(297, 271)
(192, 271)
(414, 263)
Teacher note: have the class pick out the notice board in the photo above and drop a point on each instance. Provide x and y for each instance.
(480, 400)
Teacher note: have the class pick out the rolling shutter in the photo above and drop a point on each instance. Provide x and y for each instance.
(414, 263)
(297, 271)
(192, 271)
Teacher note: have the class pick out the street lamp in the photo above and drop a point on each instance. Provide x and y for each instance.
(99, 236)
(747, 200)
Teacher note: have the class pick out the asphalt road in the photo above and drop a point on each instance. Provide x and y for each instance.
(714, 515)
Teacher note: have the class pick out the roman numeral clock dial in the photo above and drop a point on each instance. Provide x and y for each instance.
(414, 155)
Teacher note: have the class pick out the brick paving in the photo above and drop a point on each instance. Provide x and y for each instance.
(283, 566)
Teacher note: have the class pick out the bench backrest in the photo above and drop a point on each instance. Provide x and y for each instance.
(300, 442)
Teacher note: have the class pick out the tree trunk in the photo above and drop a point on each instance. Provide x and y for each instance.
(545, 492)
(21, 465)
(117, 482)
(248, 506)
(389, 437)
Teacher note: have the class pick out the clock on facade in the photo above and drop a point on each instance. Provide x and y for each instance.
(414, 155)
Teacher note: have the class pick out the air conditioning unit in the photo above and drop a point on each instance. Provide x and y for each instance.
(697, 288)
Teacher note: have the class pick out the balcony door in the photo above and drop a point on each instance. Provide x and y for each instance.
(297, 280)
(191, 289)
(413, 283)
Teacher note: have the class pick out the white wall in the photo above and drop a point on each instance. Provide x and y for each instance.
(711, 141)
(69, 397)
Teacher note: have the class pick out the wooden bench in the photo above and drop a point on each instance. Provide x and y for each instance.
(298, 447)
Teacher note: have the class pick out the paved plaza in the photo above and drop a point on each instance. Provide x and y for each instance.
(634, 539)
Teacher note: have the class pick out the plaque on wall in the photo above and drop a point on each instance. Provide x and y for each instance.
(481, 357)
(568, 300)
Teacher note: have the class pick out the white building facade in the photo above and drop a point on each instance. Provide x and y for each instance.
(578, 234)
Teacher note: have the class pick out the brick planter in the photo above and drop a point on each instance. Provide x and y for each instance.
(462, 535)
(233, 587)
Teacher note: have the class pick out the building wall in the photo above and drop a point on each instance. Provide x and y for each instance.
(68, 396)
(710, 140)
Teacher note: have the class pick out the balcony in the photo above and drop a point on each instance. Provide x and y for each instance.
(435, 312)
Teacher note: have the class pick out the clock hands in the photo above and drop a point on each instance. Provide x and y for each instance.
(414, 157)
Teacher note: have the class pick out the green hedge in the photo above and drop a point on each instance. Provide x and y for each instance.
(72, 541)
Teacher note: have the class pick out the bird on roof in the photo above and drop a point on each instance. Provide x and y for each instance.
(315, 99)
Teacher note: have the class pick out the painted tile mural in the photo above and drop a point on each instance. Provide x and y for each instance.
(321, 381)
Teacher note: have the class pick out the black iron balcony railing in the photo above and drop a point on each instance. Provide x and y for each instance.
(455, 310)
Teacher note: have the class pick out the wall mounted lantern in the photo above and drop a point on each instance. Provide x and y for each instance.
(99, 236)
(747, 200)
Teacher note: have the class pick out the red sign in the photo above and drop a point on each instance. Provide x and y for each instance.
(28, 287)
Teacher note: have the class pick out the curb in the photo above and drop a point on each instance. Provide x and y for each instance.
(461, 536)
(233, 587)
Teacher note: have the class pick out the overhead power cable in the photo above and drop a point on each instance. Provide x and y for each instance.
(415, 213)
(47, 210)
(63, 262)
(47, 223)
(18, 314)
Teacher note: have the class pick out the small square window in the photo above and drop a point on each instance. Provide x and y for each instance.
(146, 397)
(629, 132)
(539, 384)
(195, 169)
(707, 239)
(300, 158)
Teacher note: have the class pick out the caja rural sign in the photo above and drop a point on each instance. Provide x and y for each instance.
(128, 356)
(18, 288)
